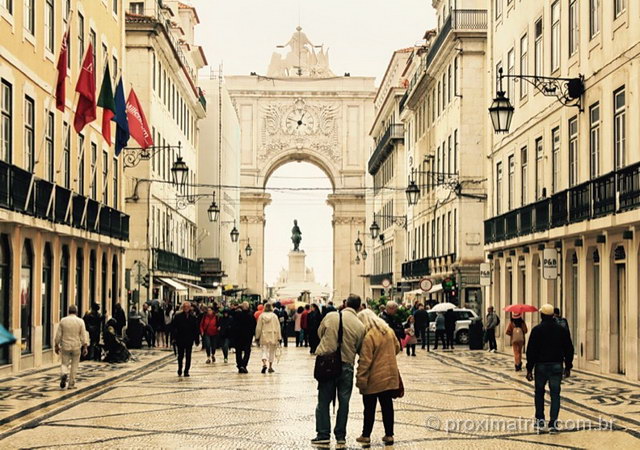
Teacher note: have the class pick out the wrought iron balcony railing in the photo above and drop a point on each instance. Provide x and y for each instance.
(394, 132)
(171, 262)
(416, 268)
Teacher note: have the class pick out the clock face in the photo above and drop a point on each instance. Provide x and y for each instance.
(299, 122)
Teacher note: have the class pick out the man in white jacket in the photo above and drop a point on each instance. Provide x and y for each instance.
(71, 340)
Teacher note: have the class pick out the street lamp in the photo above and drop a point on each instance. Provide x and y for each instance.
(501, 112)
(179, 172)
(357, 259)
(234, 233)
(214, 210)
(374, 229)
(413, 192)
(358, 244)
(248, 250)
(364, 255)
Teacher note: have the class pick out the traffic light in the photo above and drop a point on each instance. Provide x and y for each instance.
(145, 281)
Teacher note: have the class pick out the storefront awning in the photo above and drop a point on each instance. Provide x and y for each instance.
(193, 286)
(435, 288)
(173, 284)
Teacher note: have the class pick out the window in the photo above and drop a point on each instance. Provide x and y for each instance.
(29, 134)
(136, 8)
(80, 38)
(619, 127)
(26, 297)
(66, 156)
(105, 55)
(555, 36)
(115, 183)
(81, 164)
(498, 8)
(29, 16)
(79, 281)
(48, 148)
(64, 281)
(455, 151)
(538, 68)
(6, 122)
(94, 167)
(574, 32)
(8, 5)
(105, 177)
(524, 176)
(47, 296)
(594, 18)
(115, 6)
(511, 70)
(573, 151)
(114, 66)
(455, 76)
(618, 7)
(498, 188)
(49, 25)
(540, 192)
(92, 37)
(594, 329)
(449, 83)
(511, 180)
(555, 159)
(594, 140)
(524, 63)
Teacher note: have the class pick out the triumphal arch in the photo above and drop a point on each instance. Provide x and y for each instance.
(301, 111)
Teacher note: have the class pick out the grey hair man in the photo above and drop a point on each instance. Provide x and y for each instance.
(389, 316)
(71, 341)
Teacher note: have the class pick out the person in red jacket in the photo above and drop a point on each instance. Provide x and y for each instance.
(209, 331)
(304, 324)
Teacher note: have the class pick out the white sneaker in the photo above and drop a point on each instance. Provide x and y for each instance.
(493, 351)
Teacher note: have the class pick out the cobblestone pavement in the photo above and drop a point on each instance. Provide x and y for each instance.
(458, 399)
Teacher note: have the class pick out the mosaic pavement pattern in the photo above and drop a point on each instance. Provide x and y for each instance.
(453, 400)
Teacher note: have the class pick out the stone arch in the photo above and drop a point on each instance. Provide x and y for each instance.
(329, 167)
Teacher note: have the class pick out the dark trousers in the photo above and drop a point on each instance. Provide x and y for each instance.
(314, 340)
(386, 405)
(551, 373)
(440, 334)
(421, 333)
(299, 338)
(285, 335)
(411, 348)
(449, 333)
(305, 337)
(210, 344)
(243, 353)
(150, 336)
(184, 352)
(490, 336)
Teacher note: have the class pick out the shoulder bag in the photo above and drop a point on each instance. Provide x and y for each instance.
(329, 367)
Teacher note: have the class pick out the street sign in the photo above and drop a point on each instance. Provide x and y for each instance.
(426, 284)
(550, 264)
(485, 274)
(386, 283)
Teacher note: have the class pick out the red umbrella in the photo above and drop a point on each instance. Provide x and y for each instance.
(519, 309)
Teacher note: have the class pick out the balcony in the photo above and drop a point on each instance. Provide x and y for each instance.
(615, 192)
(416, 268)
(171, 262)
(465, 20)
(378, 278)
(57, 204)
(393, 133)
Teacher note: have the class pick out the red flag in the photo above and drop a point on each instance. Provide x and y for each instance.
(86, 87)
(138, 127)
(61, 83)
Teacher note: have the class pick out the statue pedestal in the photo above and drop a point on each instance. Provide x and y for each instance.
(297, 266)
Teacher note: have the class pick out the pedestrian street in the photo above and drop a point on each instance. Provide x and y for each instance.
(459, 399)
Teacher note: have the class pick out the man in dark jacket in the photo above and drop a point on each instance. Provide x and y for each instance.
(313, 323)
(186, 331)
(450, 326)
(243, 328)
(94, 322)
(389, 316)
(120, 317)
(421, 317)
(549, 348)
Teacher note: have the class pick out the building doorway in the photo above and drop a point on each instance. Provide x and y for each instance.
(619, 312)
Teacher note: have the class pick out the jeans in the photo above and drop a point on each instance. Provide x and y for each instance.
(490, 336)
(243, 353)
(225, 347)
(210, 344)
(421, 333)
(326, 392)
(386, 405)
(440, 334)
(299, 338)
(552, 373)
(184, 352)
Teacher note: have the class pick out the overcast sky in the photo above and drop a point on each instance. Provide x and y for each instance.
(361, 36)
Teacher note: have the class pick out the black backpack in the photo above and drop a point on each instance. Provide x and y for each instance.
(329, 367)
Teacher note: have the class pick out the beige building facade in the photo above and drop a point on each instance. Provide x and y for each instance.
(567, 178)
(162, 67)
(444, 117)
(63, 234)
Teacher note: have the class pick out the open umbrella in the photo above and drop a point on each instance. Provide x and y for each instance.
(6, 338)
(442, 307)
(519, 309)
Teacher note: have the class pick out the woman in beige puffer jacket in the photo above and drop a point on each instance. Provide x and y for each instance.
(377, 377)
(268, 336)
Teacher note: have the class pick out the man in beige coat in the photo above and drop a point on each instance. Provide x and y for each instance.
(71, 340)
(353, 332)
